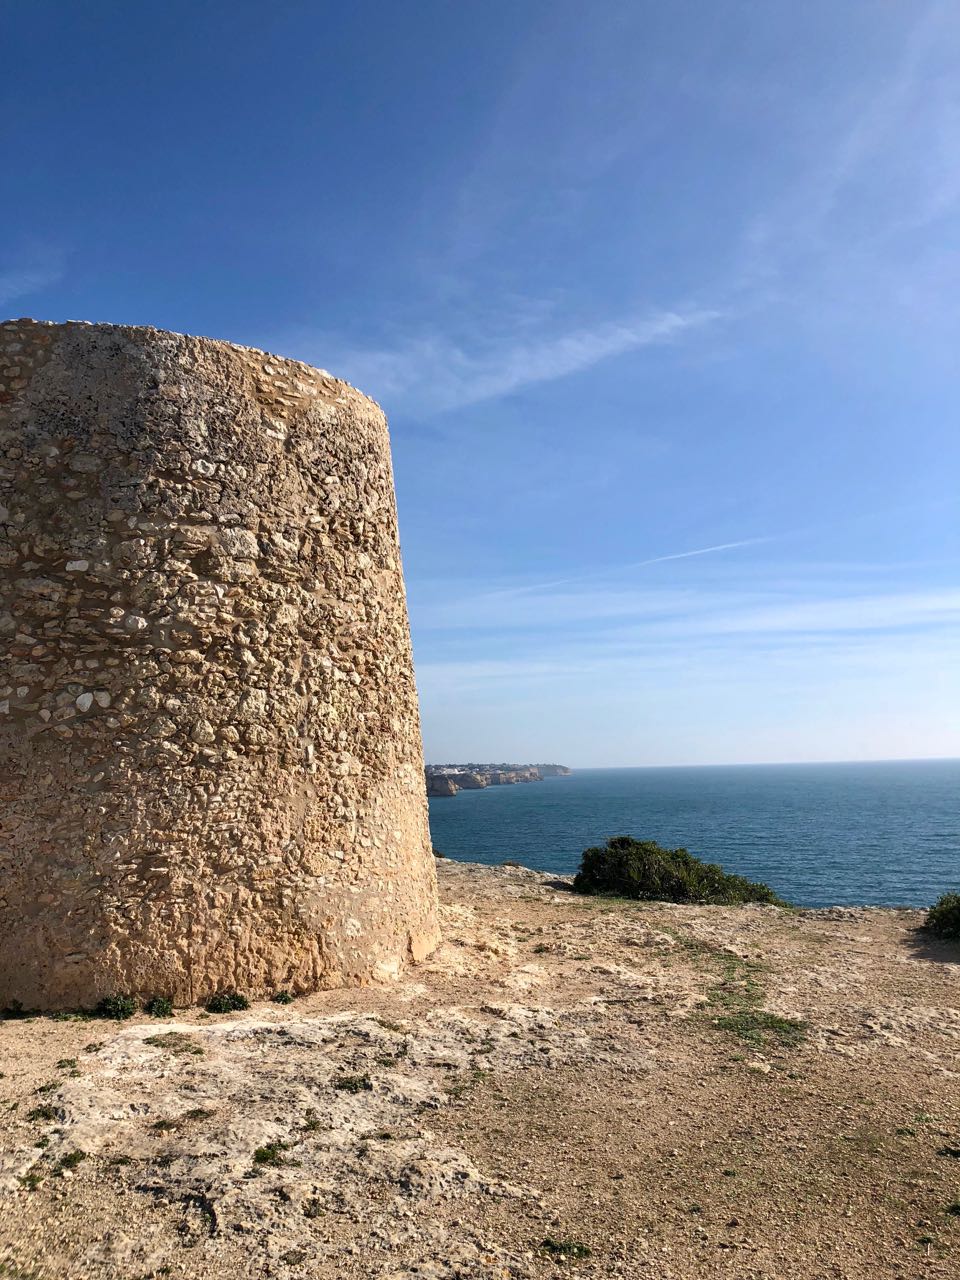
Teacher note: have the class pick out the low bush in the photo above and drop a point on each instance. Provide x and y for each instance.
(118, 1007)
(227, 1002)
(943, 918)
(628, 868)
(160, 1007)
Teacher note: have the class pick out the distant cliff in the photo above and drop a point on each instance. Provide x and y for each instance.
(448, 779)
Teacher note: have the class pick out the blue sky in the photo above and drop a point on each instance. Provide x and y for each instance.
(661, 300)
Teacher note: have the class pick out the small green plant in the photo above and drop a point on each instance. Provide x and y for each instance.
(227, 1002)
(271, 1154)
(758, 1027)
(312, 1122)
(283, 997)
(42, 1115)
(67, 1064)
(31, 1180)
(174, 1042)
(198, 1113)
(159, 1007)
(943, 918)
(117, 1007)
(573, 1249)
(353, 1084)
(642, 869)
(119, 1162)
(68, 1162)
(312, 1208)
(163, 1126)
(50, 1087)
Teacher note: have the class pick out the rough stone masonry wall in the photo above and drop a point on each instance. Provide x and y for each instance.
(211, 774)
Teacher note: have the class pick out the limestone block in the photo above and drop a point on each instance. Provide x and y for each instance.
(211, 774)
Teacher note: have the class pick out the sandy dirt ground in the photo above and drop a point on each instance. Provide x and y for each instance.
(568, 1087)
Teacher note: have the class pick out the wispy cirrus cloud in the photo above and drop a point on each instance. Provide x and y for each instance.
(435, 373)
(31, 274)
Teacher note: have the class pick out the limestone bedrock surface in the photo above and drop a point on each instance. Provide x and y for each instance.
(211, 773)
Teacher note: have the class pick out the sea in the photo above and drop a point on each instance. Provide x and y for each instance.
(877, 834)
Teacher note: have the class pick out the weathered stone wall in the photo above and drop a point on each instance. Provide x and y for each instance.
(210, 765)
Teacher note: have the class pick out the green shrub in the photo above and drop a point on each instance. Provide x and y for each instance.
(943, 918)
(227, 1002)
(159, 1007)
(283, 997)
(629, 868)
(353, 1084)
(118, 1007)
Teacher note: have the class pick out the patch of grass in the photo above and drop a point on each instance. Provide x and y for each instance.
(573, 1250)
(312, 1122)
(67, 1064)
(642, 869)
(174, 1042)
(117, 1007)
(758, 1027)
(943, 918)
(159, 1007)
(353, 1084)
(94, 1047)
(120, 1162)
(271, 1154)
(283, 997)
(227, 1002)
(42, 1114)
(68, 1162)
(735, 1005)
(905, 1132)
(31, 1180)
(50, 1087)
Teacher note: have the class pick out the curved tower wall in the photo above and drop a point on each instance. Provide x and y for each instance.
(211, 773)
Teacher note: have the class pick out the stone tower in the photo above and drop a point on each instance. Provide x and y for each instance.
(211, 774)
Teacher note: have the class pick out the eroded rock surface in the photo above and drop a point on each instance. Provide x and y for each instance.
(679, 1091)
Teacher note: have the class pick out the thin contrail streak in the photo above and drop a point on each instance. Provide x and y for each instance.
(700, 551)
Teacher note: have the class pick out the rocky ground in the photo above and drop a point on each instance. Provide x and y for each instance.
(569, 1087)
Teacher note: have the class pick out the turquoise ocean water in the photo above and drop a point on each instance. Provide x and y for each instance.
(821, 834)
